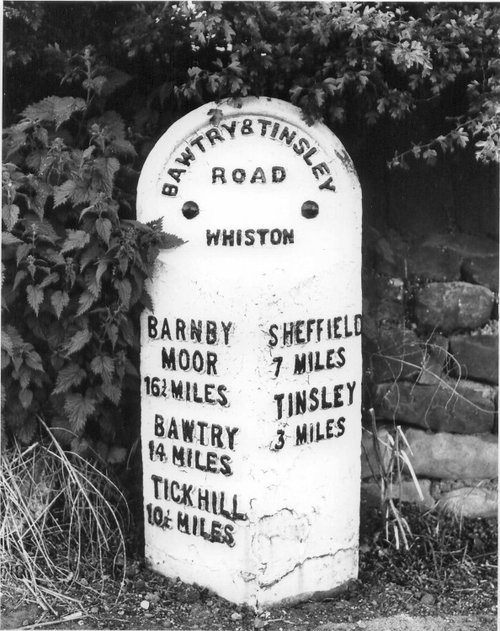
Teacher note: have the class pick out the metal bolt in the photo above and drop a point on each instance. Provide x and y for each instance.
(190, 210)
(310, 209)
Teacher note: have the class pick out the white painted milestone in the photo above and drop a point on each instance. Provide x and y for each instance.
(251, 359)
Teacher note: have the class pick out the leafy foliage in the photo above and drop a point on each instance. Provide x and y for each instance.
(431, 70)
(75, 271)
(86, 105)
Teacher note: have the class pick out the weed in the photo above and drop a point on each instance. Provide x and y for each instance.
(63, 519)
(391, 458)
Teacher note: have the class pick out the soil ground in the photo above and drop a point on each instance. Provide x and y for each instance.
(446, 581)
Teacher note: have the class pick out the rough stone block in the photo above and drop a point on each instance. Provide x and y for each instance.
(470, 502)
(396, 354)
(406, 492)
(370, 465)
(434, 262)
(477, 356)
(451, 456)
(391, 255)
(463, 407)
(466, 245)
(482, 270)
(436, 356)
(451, 306)
(383, 298)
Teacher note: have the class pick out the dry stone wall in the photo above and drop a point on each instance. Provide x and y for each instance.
(431, 366)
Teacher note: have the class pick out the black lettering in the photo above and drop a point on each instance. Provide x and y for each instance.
(152, 327)
(258, 176)
(225, 464)
(229, 535)
(287, 136)
(178, 455)
(279, 404)
(300, 364)
(177, 389)
(279, 174)
(320, 169)
(211, 332)
(222, 400)
(301, 145)
(272, 333)
(170, 190)
(239, 176)
(246, 127)
(159, 426)
(264, 125)
(328, 184)
(230, 129)
(186, 157)
(175, 174)
(213, 135)
(168, 359)
(301, 434)
(198, 143)
(213, 237)
(218, 173)
(249, 237)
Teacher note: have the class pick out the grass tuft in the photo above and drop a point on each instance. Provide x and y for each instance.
(62, 520)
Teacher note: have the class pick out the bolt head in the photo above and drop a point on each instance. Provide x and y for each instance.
(310, 209)
(190, 210)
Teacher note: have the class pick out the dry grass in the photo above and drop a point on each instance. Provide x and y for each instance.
(62, 519)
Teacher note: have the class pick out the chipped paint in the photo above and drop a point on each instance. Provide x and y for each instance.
(251, 361)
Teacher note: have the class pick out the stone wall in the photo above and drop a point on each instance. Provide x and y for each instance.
(431, 365)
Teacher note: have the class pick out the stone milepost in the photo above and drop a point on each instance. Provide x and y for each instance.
(251, 360)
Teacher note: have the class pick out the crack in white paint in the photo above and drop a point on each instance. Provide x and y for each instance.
(300, 564)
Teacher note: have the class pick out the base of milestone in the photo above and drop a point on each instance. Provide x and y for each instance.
(315, 578)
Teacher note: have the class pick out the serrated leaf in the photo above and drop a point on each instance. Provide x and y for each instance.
(7, 342)
(22, 251)
(112, 392)
(50, 279)
(85, 301)
(10, 215)
(107, 167)
(9, 239)
(104, 227)
(24, 377)
(124, 290)
(63, 192)
(33, 360)
(78, 408)
(70, 375)
(35, 297)
(54, 109)
(59, 300)
(89, 255)
(11, 337)
(128, 332)
(19, 277)
(78, 341)
(102, 266)
(147, 301)
(76, 240)
(169, 241)
(25, 397)
(104, 366)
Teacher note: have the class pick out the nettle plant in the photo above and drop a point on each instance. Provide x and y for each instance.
(74, 269)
